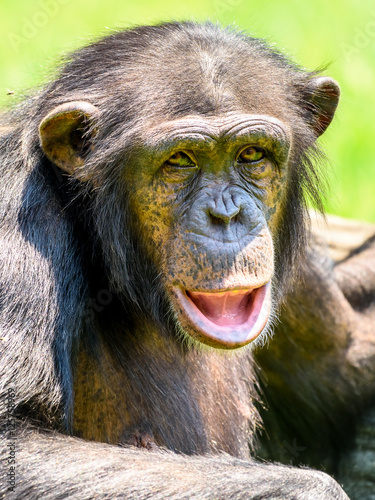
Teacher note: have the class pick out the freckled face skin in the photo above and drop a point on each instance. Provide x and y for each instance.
(208, 193)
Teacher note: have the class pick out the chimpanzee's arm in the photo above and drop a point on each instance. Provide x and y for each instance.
(55, 466)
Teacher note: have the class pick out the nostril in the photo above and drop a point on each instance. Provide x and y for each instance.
(236, 218)
(216, 221)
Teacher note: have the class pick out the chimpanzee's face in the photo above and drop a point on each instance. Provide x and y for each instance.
(208, 194)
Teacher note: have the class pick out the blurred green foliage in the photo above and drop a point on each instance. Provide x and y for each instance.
(315, 33)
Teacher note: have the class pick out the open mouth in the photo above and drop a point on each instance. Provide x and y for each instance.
(228, 318)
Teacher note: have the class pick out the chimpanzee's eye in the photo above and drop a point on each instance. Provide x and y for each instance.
(181, 160)
(251, 154)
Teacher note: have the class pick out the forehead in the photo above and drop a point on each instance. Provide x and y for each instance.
(226, 127)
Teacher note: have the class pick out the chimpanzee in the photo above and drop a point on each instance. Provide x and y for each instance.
(153, 217)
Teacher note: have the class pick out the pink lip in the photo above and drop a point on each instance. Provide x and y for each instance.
(229, 318)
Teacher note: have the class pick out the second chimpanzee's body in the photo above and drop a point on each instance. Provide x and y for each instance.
(152, 204)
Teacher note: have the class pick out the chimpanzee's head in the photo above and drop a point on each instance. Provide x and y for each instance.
(195, 142)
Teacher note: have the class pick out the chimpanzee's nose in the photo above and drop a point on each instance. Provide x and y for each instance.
(224, 209)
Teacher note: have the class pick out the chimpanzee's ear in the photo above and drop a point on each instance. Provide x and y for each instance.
(66, 134)
(322, 98)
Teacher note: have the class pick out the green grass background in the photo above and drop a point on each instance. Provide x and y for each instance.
(313, 33)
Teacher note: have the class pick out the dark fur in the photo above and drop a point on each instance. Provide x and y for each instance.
(318, 373)
(58, 251)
